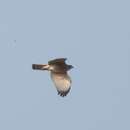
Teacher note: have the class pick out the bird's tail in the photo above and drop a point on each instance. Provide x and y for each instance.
(40, 67)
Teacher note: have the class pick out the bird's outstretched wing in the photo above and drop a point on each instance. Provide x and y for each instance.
(57, 61)
(62, 83)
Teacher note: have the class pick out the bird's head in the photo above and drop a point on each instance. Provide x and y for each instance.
(69, 67)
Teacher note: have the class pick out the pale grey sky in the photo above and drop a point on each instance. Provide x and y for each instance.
(94, 36)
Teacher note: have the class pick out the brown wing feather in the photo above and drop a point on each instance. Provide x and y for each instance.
(57, 61)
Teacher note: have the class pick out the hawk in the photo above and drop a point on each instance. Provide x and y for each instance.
(58, 71)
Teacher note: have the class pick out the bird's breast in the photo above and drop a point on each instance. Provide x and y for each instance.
(61, 81)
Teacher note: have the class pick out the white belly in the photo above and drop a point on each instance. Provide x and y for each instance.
(61, 81)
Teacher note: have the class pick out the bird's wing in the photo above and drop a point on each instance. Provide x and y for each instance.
(62, 83)
(57, 61)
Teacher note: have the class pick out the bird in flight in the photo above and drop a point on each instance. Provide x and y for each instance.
(58, 71)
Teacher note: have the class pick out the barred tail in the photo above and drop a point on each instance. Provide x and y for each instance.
(39, 67)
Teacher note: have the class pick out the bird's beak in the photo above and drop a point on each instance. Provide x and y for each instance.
(70, 67)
